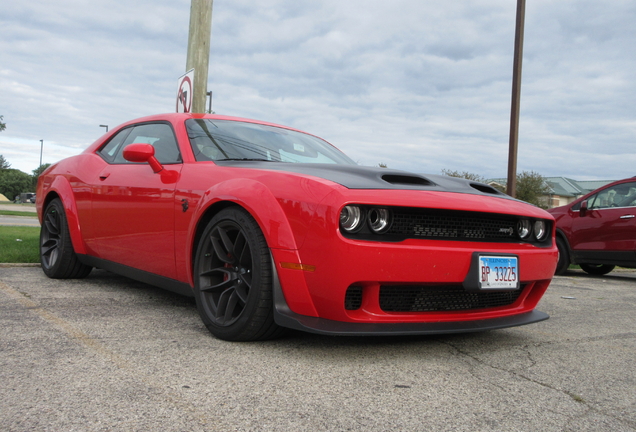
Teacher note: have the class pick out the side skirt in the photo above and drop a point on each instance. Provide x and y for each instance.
(138, 275)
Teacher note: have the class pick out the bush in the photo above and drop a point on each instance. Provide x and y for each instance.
(13, 182)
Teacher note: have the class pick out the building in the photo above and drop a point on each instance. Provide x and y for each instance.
(565, 190)
(562, 190)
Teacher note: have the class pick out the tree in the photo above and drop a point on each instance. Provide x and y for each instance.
(39, 170)
(36, 173)
(4, 164)
(382, 165)
(465, 175)
(3, 125)
(531, 188)
(13, 182)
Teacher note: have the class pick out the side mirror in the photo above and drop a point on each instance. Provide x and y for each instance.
(142, 153)
(583, 208)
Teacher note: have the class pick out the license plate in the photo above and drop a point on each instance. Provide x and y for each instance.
(496, 272)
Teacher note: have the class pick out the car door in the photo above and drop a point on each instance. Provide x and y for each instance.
(133, 207)
(609, 223)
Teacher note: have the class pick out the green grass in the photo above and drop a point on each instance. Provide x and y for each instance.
(26, 250)
(17, 213)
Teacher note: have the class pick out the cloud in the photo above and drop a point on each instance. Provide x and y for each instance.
(416, 85)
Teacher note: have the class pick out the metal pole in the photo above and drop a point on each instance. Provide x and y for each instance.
(199, 50)
(511, 188)
(104, 126)
(41, 149)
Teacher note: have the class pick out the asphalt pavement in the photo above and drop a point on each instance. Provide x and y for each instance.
(110, 354)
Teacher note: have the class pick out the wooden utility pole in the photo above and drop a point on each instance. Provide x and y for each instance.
(511, 188)
(199, 50)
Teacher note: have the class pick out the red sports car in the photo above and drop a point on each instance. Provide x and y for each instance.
(272, 228)
(598, 230)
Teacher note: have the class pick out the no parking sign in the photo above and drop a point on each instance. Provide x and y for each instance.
(184, 92)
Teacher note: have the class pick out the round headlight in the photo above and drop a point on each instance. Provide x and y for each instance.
(351, 218)
(540, 230)
(523, 229)
(379, 219)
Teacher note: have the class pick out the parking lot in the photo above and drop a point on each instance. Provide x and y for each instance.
(108, 353)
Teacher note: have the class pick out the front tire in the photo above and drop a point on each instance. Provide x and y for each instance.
(57, 255)
(597, 269)
(564, 257)
(233, 279)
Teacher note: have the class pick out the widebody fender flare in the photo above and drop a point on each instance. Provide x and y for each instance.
(62, 188)
(258, 200)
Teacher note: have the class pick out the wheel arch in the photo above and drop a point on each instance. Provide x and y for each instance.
(257, 200)
(253, 197)
(61, 188)
(561, 236)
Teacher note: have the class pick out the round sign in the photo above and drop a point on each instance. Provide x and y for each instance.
(184, 94)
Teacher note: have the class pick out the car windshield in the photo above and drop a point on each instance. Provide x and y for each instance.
(219, 140)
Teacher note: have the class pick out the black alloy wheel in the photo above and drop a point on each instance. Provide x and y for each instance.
(57, 256)
(233, 278)
(597, 269)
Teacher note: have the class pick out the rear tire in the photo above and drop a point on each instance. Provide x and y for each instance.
(233, 279)
(57, 256)
(597, 269)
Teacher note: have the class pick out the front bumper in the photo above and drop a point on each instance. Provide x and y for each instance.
(287, 318)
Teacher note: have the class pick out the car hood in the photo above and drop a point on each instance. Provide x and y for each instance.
(360, 177)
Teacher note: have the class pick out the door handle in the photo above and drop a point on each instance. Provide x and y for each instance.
(627, 217)
(104, 176)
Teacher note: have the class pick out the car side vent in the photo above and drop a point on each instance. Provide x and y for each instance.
(406, 180)
(485, 188)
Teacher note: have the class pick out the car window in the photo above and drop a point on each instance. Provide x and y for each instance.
(159, 135)
(216, 140)
(109, 151)
(620, 195)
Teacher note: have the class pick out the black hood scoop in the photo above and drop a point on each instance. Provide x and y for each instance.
(406, 180)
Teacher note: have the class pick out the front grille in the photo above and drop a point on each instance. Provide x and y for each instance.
(410, 298)
(447, 225)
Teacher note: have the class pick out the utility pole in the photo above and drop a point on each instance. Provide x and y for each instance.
(199, 50)
(511, 188)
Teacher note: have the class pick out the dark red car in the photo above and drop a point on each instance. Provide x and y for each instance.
(598, 230)
(271, 228)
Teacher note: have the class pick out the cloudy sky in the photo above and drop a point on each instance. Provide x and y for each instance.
(420, 85)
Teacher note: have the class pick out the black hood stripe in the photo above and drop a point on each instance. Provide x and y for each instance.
(360, 177)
